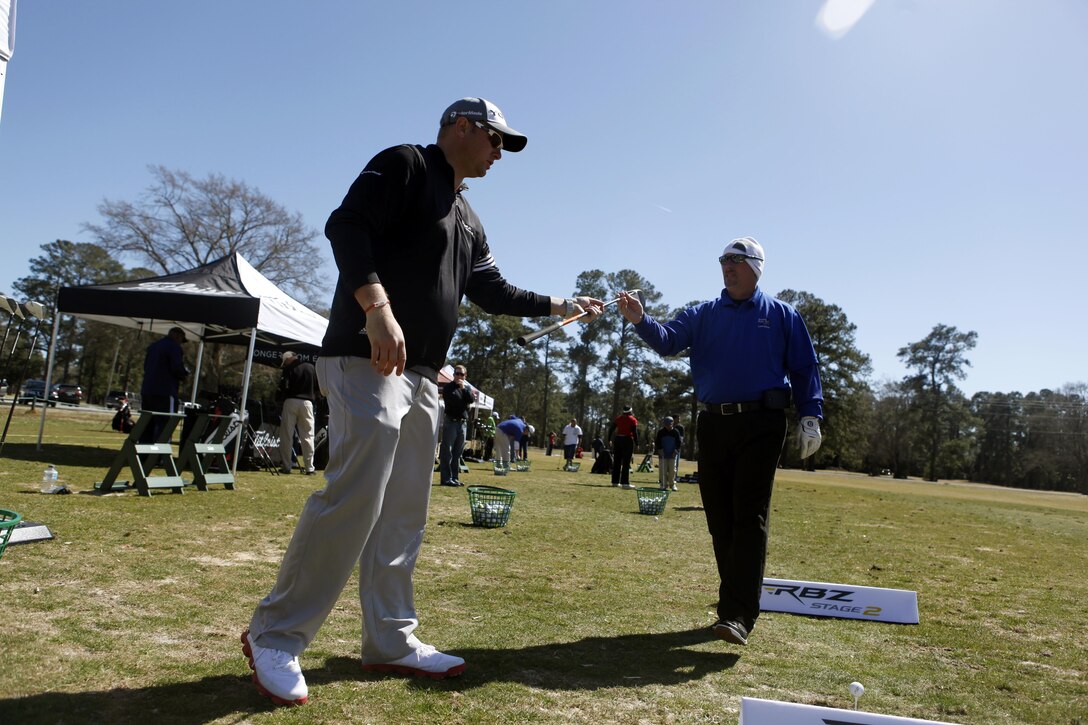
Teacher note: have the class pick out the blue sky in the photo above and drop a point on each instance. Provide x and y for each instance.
(927, 167)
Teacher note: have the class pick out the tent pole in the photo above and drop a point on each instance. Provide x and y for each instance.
(48, 373)
(199, 364)
(243, 414)
(113, 366)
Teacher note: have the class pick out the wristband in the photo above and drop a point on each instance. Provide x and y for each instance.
(568, 307)
(375, 306)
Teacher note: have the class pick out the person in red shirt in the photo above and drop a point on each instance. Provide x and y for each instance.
(625, 428)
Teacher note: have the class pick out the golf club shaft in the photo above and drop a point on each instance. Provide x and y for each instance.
(526, 339)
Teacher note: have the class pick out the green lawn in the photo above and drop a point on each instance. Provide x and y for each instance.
(581, 610)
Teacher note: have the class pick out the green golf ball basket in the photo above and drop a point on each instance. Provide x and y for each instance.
(8, 521)
(490, 505)
(651, 501)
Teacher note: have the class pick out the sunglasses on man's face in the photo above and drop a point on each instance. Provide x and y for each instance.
(494, 136)
(734, 258)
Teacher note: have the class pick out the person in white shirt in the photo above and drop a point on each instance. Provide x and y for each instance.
(572, 436)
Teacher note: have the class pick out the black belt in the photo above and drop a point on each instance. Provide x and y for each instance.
(732, 408)
(455, 420)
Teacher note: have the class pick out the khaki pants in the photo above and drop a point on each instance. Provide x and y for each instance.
(666, 466)
(372, 510)
(297, 413)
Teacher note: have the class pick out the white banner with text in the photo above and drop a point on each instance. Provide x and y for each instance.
(754, 711)
(819, 599)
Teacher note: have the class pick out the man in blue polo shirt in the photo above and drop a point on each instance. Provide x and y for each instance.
(749, 352)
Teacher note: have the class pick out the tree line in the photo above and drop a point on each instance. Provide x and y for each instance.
(920, 426)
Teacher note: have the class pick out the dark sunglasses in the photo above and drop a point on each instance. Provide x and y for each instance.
(495, 136)
(734, 258)
(458, 372)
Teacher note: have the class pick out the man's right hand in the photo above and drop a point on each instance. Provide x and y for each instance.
(387, 353)
(382, 329)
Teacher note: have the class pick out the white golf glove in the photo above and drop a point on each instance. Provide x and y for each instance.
(808, 436)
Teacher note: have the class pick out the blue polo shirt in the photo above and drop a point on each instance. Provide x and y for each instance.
(513, 427)
(741, 349)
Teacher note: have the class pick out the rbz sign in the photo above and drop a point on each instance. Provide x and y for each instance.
(818, 599)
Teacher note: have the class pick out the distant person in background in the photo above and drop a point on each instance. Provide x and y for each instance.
(666, 445)
(625, 434)
(297, 393)
(487, 430)
(526, 439)
(508, 439)
(164, 370)
(679, 429)
(458, 398)
(572, 436)
(598, 446)
(551, 442)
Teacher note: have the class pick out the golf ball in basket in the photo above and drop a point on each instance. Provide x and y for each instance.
(857, 689)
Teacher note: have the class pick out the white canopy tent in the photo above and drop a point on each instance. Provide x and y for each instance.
(225, 301)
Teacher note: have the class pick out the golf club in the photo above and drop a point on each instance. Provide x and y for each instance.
(526, 339)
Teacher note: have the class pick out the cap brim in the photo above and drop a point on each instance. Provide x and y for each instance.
(511, 140)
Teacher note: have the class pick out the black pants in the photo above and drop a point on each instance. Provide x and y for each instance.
(738, 456)
(624, 446)
(159, 404)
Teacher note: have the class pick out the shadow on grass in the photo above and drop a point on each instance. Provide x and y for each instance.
(593, 663)
(62, 454)
(589, 664)
(178, 702)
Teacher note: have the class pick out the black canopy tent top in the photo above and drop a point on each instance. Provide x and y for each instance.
(225, 301)
(222, 301)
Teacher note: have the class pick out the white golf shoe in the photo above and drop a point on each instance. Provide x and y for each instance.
(276, 673)
(424, 661)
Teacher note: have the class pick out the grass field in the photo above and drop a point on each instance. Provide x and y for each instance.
(581, 610)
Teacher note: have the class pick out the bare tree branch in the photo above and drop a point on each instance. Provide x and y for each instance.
(180, 222)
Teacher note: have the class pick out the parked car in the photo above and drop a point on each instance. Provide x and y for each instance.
(67, 393)
(35, 390)
(113, 398)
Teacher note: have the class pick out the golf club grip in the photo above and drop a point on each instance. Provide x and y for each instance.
(526, 339)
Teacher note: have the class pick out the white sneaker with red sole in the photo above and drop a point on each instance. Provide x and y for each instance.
(276, 673)
(425, 661)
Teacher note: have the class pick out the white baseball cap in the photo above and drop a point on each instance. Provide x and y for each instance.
(751, 249)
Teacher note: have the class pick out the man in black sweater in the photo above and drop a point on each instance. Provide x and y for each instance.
(407, 247)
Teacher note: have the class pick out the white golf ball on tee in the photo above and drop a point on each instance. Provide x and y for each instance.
(857, 689)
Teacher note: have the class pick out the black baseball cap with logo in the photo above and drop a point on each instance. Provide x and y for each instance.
(480, 109)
